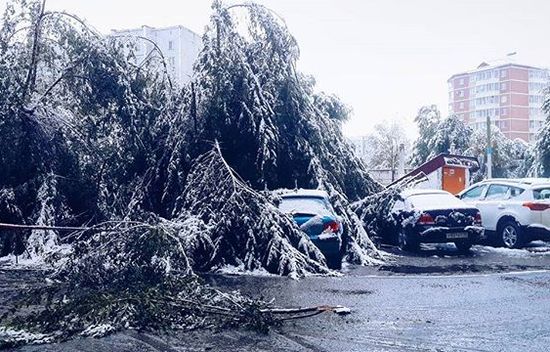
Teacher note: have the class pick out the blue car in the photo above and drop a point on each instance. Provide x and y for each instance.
(312, 211)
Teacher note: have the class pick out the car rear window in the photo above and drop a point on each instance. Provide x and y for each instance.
(516, 191)
(304, 205)
(435, 201)
(541, 193)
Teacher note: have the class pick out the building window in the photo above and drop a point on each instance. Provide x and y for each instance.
(503, 99)
(460, 93)
(504, 111)
(503, 73)
(461, 81)
(170, 45)
(503, 86)
(461, 105)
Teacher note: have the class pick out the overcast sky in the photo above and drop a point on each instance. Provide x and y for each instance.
(385, 58)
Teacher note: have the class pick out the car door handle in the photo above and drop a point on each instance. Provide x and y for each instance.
(501, 206)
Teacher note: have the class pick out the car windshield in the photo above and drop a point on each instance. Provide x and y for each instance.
(304, 205)
(434, 201)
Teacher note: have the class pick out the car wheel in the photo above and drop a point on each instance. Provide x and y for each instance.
(463, 246)
(510, 235)
(405, 243)
(334, 262)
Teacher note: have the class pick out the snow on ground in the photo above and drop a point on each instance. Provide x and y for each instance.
(26, 261)
(19, 262)
(98, 330)
(8, 335)
(536, 248)
(240, 270)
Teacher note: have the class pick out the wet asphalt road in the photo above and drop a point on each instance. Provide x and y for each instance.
(436, 300)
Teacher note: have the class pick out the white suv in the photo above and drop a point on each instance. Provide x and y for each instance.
(514, 211)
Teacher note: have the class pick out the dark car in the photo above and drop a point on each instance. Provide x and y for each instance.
(312, 211)
(433, 216)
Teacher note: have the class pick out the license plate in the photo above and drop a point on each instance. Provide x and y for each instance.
(453, 236)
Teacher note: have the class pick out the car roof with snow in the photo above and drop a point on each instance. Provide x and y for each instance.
(418, 191)
(535, 181)
(517, 182)
(315, 193)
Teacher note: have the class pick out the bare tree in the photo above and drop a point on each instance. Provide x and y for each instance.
(388, 142)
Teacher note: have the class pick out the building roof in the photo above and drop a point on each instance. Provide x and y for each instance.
(443, 159)
(484, 66)
(174, 27)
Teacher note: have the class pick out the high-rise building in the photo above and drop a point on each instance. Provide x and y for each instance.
(180, 47)
(510, 94)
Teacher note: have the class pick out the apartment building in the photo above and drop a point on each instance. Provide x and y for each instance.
(510, 94)
(180, 47)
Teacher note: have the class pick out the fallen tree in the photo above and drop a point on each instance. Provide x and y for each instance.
(107, 139)
(104, 137)
(135, 276)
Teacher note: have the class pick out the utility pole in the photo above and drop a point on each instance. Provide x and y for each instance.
(489, 150)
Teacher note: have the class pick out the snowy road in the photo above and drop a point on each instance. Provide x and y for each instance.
(490, 300)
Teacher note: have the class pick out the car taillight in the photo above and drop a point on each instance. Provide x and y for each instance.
(477, 218)
(537, 206)
(332, 226)
(426, 219)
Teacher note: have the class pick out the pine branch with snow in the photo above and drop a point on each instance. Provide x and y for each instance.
(244, 227)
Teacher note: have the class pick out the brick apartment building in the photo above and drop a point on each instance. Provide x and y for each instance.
(510, 94)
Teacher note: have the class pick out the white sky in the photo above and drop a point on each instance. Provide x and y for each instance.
(385, 58)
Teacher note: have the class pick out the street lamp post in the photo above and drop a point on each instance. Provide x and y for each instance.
(489, 150)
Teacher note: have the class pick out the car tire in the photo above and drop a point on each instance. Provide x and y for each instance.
(510, 235)
(463, 246)
(405, 243)
(334, 262)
